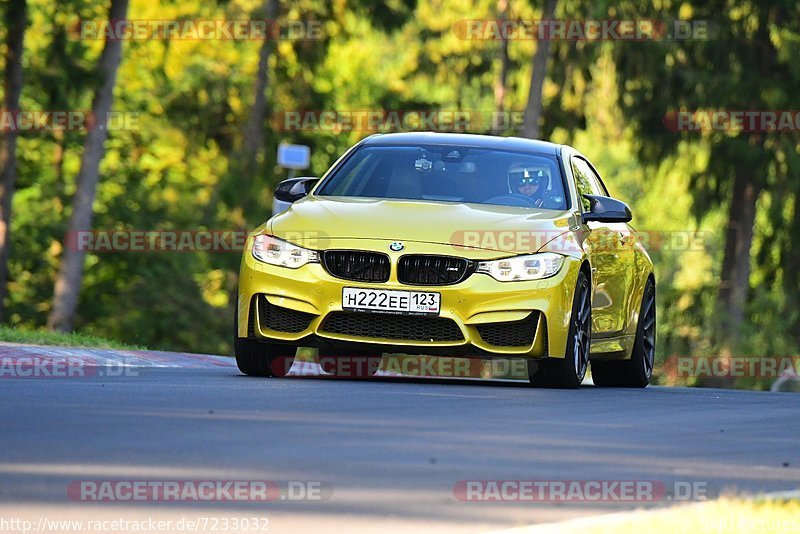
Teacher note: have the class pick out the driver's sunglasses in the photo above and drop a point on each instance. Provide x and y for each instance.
(533, 180)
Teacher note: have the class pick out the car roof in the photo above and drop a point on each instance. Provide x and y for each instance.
(473, 140)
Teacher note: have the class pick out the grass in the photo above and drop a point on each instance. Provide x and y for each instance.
(726, 515)
(58, 339)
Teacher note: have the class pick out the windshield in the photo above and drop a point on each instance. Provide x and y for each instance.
(450, 174)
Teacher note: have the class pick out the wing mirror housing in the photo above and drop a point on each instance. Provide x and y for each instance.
(607, 210)
(294, 189)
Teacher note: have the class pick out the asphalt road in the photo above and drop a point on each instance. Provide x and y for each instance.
(384, 454)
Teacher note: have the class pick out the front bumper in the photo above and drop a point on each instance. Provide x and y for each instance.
(479, 316)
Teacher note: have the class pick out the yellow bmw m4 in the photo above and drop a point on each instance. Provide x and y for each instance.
(452, 244)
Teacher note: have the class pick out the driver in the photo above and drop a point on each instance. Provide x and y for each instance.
(529, 180)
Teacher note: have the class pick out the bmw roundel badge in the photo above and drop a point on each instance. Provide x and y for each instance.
(397, 246)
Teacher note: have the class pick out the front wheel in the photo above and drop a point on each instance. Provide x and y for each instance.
(568, 372)
(636, 372)
(254, 358)
(263, 359)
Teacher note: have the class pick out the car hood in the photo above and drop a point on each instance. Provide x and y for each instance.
(478, 226)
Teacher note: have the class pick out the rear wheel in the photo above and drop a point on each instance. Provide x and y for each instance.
(261, 359)
(636, 372)
(568, 372)
(349, 363)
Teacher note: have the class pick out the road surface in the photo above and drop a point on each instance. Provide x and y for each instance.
(384, 455)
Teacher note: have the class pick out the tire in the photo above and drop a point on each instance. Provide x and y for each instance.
(349, 363)
(636, 372)
(254, 358)
(568, 372)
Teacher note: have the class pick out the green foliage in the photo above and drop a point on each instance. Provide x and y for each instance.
(747, 63)
(178, 170)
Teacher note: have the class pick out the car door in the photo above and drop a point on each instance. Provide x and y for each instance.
(611, 258)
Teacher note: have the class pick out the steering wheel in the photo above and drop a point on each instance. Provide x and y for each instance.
(513, 199)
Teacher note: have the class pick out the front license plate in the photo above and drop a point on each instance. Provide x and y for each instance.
(390, 301)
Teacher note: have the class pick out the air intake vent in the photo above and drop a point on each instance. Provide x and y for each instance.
(385, 326)
(282, 319)
(510, 334)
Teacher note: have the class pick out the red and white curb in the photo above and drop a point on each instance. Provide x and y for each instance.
(13, 354)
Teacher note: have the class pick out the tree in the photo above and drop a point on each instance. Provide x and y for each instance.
(245, 165)
(16, 20)
(533, 110)
(724, 70)
(500, 84)
(254, 129)
(70, 274)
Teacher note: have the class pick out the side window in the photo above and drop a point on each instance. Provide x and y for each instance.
(583, 182)
(594, 179)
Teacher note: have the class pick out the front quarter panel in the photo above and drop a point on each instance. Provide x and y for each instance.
(620, 267)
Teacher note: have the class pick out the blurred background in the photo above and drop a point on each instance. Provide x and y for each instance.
(718, 203)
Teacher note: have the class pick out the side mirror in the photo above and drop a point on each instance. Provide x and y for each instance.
(606, 209)
(294, 188)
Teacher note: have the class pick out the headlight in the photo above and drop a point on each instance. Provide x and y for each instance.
(279, 252)
(530, 267)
